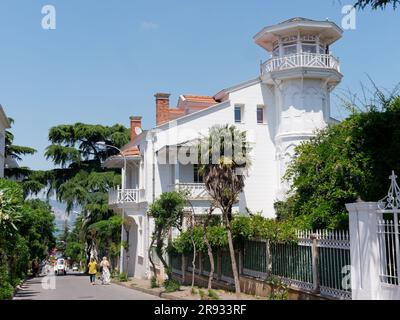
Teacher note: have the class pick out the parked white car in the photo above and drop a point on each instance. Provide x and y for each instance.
(60, 268)
(75, 268)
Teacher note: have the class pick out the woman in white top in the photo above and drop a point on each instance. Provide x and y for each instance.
(106, 277)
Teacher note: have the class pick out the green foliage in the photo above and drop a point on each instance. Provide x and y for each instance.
(243, 228)
(223, 153)
(258, 227)
(11, 198)
(217, 237)
(167, 212)
(81, 181)
(75, 251)
(183, 243)
(193, 291)
(26, 233)
(172, 285)
(6, 291)
(377, 4)
(154, 283)
(279, 291)
(16, 152)
(37, 226)
(342, 163)
(202, 294)
(213, 295)
(123, 277)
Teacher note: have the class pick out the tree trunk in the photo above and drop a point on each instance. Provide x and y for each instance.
(159, 251)
(151, 258)
(233, 259)
(209, 249)
(193, 261)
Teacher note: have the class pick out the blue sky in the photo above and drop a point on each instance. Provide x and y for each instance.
(106, 59)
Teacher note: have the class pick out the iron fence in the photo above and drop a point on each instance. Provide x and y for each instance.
(319, 262)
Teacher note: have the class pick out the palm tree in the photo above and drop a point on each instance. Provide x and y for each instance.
(224, 161)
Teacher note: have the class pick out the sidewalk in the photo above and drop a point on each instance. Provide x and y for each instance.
(184, 294)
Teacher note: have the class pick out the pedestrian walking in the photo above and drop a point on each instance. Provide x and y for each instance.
(92, 271)
(106, 274)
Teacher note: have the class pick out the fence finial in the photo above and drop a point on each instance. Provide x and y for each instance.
(392, 200)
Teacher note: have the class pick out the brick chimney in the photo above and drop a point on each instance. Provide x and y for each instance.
(136, 122)
(162, 108)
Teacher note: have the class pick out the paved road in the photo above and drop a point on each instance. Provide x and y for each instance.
(75, 287)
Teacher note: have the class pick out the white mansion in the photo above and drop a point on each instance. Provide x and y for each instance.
(280, 108)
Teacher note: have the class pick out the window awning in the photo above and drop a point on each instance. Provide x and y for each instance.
(118, 161)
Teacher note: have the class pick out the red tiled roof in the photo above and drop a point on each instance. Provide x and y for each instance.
(203, 99)
(132, 151)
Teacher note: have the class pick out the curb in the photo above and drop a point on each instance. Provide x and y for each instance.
(19, 288)
(161, 294)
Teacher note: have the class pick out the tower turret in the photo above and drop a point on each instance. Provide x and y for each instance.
(302, 72)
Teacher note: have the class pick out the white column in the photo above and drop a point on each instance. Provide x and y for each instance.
(123, 238)
(123, 179)
(364, 250)
(177, 170)
(280, 48)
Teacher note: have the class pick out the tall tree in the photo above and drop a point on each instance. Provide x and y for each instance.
(79, 179)
(342, 163)
(168, 213)
(16, 152)
(224, 160)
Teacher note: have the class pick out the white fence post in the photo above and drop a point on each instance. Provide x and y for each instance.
(315, 263)
(364, 250)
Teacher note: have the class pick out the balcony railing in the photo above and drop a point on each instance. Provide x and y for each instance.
(196, 191)
(119, 196)
(306, 60)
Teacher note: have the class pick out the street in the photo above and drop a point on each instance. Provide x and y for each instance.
(75, 287)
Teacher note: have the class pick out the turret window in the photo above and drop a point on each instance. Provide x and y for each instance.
(294, 44)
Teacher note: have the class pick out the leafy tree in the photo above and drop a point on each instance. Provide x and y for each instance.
(16, 152)
(167, 212)
(37, 227)
(63, 238)
(107, 234)
(377, 4)
(75, 251)
(79, 179)
(10, 205)
(224, 158)
(342, 163)
(26, 233)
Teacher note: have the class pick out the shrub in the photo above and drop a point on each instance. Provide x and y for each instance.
(213, 295)
(172, 286)
(123, 277)
(6, 291)
(202, 294)
(279, 291)
(154, 283)
(193, 292)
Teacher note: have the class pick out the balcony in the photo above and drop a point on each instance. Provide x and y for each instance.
(127, 197)
(196, 191)
(301, 60)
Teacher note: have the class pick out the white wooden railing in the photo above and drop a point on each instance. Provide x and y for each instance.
(308, 60)
(195, 190)
(119, 196)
